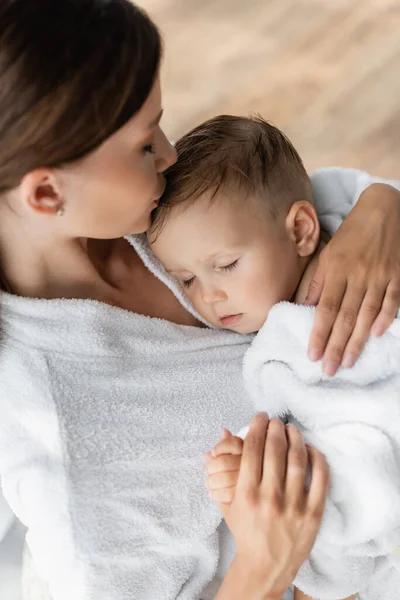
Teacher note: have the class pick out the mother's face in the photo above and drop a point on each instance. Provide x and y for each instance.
(112, 191)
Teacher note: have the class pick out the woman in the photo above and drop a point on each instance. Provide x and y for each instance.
(105, 412)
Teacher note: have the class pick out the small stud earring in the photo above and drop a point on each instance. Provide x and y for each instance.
(61, 212)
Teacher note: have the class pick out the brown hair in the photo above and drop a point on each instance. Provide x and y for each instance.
(72, 72)
(248, 154)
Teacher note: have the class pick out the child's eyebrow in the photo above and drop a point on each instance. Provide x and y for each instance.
(223, 253)
(177, 271)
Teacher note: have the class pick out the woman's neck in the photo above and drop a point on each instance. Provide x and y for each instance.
(39, 267)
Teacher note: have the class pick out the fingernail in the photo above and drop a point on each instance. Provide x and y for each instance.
(213, 452)
(314, 354)
(330, 368)
(377, 330)
(349, 360)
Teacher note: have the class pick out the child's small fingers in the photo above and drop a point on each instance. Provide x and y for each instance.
(208, 456)
(223, 496)
(222, 480)
(230, 445)
(225, 462)
(226, 434)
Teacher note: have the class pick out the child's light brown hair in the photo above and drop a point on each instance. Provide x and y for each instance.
(248, 156)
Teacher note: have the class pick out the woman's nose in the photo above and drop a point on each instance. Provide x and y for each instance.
(166, 153)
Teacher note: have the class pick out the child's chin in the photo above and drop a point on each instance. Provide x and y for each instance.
(248, 328)
(245, 328)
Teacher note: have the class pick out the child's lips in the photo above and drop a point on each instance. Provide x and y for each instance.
(231, 319)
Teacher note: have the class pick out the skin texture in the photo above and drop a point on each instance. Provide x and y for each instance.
(108, 194)
(357, 285)
(233, 258)
(223, 474)
(279, 531)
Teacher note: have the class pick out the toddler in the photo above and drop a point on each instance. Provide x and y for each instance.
(238, 229)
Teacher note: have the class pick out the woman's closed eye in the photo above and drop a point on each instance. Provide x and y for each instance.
(149, 149)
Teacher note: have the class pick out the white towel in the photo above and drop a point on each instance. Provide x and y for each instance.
(354, 418)
(6, 518)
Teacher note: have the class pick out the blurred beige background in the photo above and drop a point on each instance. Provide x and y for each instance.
(327, 72)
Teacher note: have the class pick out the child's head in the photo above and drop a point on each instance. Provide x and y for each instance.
(236, 225)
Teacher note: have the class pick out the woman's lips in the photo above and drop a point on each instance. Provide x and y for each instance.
(231, 319)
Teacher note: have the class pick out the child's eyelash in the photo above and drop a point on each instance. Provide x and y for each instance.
(230, 267)
(188, 283)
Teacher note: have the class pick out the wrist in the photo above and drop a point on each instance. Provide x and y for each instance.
(243, 583)
(380, 193)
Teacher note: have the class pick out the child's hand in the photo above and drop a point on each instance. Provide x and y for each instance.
(223, 464)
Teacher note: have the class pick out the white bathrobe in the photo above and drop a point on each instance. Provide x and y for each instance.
(104, 417)
(354, 418)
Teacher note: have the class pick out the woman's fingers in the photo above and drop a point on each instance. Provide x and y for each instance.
(354, 270)
(316, 286)
(296, 469)
(343, 327)
(275, 459)
(319, 484)
(253, 453)
(325, 316)
(389, 309)
(366, 306)
(369, 310)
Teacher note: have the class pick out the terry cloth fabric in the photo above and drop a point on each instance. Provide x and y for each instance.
(354, 419)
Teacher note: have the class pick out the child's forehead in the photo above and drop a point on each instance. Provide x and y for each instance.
(211, 226)
(222, 207)
(216, 223)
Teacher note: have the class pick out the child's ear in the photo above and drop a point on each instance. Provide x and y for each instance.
(303, 227)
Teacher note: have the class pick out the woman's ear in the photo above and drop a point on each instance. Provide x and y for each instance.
(303, 227)
(40, 192)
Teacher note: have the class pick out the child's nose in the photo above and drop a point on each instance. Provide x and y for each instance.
(212, 295)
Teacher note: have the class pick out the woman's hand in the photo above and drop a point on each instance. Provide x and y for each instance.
(357, 284)
(298, 595)
(272, 517)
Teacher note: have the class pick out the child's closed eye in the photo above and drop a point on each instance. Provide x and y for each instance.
(229, 267)
(188, 282)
